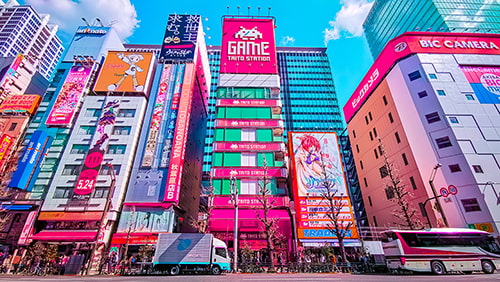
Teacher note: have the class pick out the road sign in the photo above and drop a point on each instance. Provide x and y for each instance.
(453, 189)
(444, 192)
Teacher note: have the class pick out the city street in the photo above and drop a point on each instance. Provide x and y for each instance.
(263, 277)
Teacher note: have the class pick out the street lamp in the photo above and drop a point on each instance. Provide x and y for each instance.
(431, 183)
(234, 198)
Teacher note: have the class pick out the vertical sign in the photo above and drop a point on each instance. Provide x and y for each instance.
(67, 101)
(5, 143)
(92, 164)
(248, 46)
(180, 137)
(179, 42)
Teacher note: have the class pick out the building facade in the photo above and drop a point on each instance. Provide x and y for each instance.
(24, 31)
(388, 19)
(430, 105)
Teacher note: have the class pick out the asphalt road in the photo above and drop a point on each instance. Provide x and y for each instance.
(263, 278)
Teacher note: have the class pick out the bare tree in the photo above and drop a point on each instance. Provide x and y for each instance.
(200, 223)
(397, 193)
(270, 231)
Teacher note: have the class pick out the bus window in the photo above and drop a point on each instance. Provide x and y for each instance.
(428, 239)
(410, 239)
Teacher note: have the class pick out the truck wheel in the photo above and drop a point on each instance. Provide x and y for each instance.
(487, 267)
(175, 270)
(437, 267)
(216, 270)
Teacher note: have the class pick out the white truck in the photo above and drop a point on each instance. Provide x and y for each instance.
(190, 252)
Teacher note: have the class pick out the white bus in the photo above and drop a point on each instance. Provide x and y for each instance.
(441, 250)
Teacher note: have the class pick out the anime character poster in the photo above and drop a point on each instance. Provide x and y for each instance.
(316, 158)
(125, 72)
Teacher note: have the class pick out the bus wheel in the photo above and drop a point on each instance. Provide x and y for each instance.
(216, 270)
(175, 270)
(487, 267)
(438, 267)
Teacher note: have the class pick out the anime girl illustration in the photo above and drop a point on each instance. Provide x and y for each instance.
(132, 60)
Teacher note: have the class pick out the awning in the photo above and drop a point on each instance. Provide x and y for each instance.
(71, 216)
(223, 220)
(66, 235)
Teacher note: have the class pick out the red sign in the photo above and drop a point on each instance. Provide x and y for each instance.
(240, 146)
(180, 137)
(248, 103)
(248, 46)
(453, 189)
(248, 123)
(248, 172)
(20, 103)
(419, 42)
(88, 176)
(444, 192)
(5, 143)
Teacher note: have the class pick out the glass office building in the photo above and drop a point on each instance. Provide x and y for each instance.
(388, 18)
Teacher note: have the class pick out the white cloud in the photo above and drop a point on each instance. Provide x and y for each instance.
(285, 40)
(349, 20)
(68, 14)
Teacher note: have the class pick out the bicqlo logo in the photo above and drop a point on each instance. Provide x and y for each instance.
(400, 47)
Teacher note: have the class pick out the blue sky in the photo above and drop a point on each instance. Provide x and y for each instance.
(335, 24)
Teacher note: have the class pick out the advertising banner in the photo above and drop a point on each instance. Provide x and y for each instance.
(248, 103)
(92, 164)
(485, 81)
(179, 42)
(125, 72)
(32, 156)
(64, 109)
(248, 172)
(247, 146)
(5, 143)
(219, 123)
(20, 104)
(180, 137)
(142, 219)
(418, 42)
(248, 46)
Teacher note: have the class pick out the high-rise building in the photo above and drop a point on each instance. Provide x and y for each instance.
(430, 105)
(24, 31)
(389, 18)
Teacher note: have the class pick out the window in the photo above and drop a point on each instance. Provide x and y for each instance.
(248, 159)
(375, 132)
(432, 117)
(455, 168)
(221, 252)
(370, 115)
(87, 130)
(375, 221)
(366, 182)
(414, 75)
(478, 169)
(470, 205)
(62, 193)
(354, 133)
(383, 171)
(443, 142)
(105, 170)
(357, 148)
(116, 149)
(79, 149)
(405, 160)
(12, 126)
(397, 137)
(390, 118)
(249, 187)
(441, 93)
(385, 100)
(432, 76)
(422, 94)
(371, 136)
(376, 153)
(380, 150)
(361, 164)
(93, 112)
(126, 113)
(370, 201)
(470, 97)
(70, 170)
(248, 134)
(100, 192)
(366, 120)
(453, 120)
(122, 130)
(389, 193)
(412, 182)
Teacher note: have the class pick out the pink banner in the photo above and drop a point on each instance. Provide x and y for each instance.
(248, 172)
(418, 42)
(248, 46)
(248, 123)
(5, 143)
(240, 146)
(69, 97)
(180, 137)
(248, 103)
(249, 202)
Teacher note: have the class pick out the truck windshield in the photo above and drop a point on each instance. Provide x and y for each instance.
(221, 252)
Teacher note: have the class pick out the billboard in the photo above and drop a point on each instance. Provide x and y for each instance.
(33, 156)
(5, 142)
(92, 163)
(145, 220)
(485, 81)
(418, 42)
(67, 101)
(125, 72)
(315, 159)
(20, 104)
(179, 42)
(248, 46)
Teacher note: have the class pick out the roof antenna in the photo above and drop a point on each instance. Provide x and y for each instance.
(227, 9)
(269, 12)
(99, 21)
(85, 21)
(238, 10)
(258, 11)
(249, 11)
